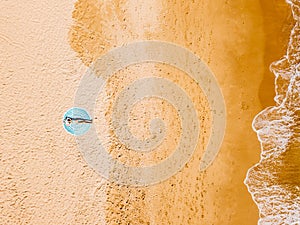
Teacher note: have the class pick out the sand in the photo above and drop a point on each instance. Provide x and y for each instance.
(49, 45)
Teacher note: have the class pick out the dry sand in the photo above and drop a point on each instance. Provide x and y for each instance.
(44, 179)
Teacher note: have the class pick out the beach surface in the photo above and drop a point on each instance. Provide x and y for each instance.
(48, 47)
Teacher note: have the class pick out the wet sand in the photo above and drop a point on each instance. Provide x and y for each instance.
(274, 181)
(44, 179)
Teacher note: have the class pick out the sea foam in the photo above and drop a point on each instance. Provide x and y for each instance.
(274, 182)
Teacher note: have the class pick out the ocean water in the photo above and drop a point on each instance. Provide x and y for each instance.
(274, 182)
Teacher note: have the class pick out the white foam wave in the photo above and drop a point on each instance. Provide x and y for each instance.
(274, 182)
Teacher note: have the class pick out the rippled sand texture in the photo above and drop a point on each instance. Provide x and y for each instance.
(275, 181)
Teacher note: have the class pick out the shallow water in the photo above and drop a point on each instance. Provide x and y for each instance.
(275, 181)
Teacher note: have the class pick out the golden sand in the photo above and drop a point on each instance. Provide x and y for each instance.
(44, 179)
(231, 44)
